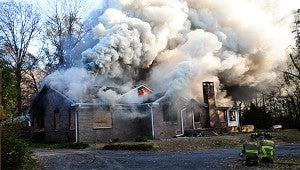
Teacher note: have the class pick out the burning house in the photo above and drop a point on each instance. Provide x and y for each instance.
(174, 46)
(56, 118)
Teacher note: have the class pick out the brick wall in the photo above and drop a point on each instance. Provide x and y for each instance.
(123, 126)
(56, 103)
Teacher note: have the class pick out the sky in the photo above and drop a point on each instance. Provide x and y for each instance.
(173, 46)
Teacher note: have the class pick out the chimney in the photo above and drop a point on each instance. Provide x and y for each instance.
(209, 99)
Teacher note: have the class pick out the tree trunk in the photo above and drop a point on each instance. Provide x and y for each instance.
(19, 90)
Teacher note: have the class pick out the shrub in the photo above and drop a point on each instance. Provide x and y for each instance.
(13, 129)
(141, 138)
(14, 148)
(79, 145)
(132, 147)
(117, 140)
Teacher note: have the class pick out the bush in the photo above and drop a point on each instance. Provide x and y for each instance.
(132, 147)
(117, 140)
(79, 145)
(141, 138)
(13, 152)
(14, 148)
(13, 129)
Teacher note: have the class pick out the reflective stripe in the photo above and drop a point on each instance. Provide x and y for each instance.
(251, 151)
(268, 151)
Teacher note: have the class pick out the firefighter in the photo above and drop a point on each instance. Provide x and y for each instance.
(260, 147)
(267, 149)
(251, 152)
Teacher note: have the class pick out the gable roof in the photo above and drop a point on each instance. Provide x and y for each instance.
(38, 98)
(138, 95)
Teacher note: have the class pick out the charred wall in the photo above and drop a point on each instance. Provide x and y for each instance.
(45, 109)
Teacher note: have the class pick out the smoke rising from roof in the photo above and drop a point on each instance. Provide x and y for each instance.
(176, 45)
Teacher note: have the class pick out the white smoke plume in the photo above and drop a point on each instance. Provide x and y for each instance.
(175, 45)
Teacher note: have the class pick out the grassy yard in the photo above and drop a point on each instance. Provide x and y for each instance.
(222, 141)
(197, 143)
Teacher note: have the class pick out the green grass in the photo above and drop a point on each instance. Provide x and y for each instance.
(291, 136)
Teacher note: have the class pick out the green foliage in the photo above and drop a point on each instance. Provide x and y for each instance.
(141, 138)
(13, 152)
(14, 129)
(8, 88)
(116, 140)
(132, 147)
(14, 149)
(79, 145)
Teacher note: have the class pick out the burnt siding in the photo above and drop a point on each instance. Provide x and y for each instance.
(123, 127)
(57, 103)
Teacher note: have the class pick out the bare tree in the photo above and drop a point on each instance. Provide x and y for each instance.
(292, 75)
(64, 29)
(294, 66)
(19, 26)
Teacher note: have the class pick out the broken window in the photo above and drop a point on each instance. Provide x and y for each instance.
(232, 116)
(35, 125)
(56, 120)
(72, 120)
(143, 91)
(196, 116)
(102, 119)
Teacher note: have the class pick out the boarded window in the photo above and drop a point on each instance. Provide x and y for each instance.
(102, 119)
(56, 120)
(72, 120)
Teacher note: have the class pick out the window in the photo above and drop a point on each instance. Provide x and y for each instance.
(56, 120)
(35, 125)
(102, 119)
(71, 120)
(196, 116)
(232, 116)
(143, 91)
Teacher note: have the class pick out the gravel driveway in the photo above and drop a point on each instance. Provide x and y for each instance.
(100, 159)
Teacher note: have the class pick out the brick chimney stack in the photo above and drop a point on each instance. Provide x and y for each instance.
(209, 99)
